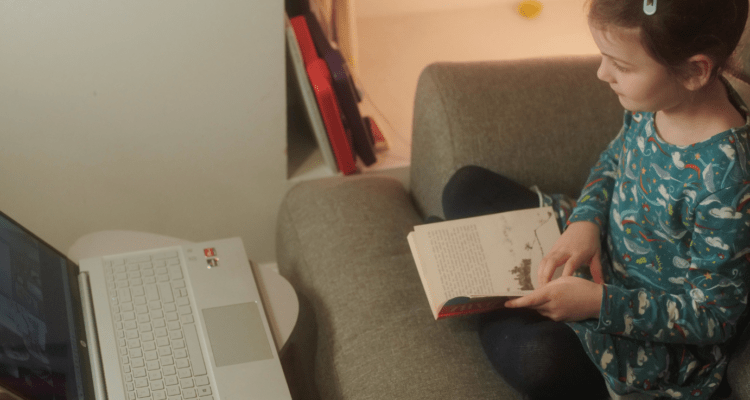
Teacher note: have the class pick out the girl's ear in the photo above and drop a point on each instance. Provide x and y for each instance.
(700, 67)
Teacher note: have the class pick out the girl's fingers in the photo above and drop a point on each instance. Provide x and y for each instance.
(548, 266)
(596, 268)
(531, 300)
(571, 266)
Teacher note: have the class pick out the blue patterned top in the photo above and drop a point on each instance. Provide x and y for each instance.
(677, 224)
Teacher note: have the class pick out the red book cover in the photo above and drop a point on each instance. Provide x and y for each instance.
(340, 142)
(306, 45)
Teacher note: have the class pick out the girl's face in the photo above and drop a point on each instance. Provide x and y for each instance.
(641, 83)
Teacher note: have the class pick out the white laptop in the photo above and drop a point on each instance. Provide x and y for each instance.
(182, 322)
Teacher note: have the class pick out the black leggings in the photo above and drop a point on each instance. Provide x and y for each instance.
(540, 358)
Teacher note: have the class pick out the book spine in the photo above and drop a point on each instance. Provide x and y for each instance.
(473, 307)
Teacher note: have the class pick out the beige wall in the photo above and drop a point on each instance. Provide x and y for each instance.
(164, 116)
(379, 8)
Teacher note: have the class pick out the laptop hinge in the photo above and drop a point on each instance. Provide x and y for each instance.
(91, 334)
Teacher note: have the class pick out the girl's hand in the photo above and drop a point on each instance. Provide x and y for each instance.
(578, 245)
(565, 299)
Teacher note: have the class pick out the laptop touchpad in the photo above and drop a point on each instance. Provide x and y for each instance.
(236, 333)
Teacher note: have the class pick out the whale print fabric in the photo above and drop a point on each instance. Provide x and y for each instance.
(676, 252)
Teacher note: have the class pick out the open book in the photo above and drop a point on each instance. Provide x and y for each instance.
(474, 265)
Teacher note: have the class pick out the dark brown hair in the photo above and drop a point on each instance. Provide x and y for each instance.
(679, 29)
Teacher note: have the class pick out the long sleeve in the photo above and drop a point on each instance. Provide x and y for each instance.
(714, 287)
(596, 196)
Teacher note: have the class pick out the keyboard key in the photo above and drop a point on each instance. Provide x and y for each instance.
(165, 290)
(151, 356)
(201, 381)
(143, 393)
(204, 391)
(171, 380)
(138, 259)
(194, 348)
(124, 295)
(152, 293)
(153, 365)
(189, 393)
(169, 370)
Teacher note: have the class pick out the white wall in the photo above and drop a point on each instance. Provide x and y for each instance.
(164, 116)
(379, 8)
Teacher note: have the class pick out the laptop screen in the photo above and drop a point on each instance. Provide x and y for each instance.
(41, 329)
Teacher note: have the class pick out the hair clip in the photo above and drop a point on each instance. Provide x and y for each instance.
(649, 7)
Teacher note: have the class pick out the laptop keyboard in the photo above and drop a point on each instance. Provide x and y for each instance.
(160, 355)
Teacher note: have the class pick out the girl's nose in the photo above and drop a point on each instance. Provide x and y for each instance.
(603, 73)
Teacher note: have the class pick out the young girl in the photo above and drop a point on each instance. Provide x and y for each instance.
(663, 221)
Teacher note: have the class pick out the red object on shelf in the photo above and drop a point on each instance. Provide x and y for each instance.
(341, 145)
(322, 84)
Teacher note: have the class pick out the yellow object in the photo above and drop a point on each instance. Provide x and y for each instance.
(530, 8)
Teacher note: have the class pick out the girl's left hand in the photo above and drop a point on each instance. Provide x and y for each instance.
(567, 299)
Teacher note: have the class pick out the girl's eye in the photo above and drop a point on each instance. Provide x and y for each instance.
(619, 67)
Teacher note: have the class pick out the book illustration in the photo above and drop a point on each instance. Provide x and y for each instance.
(523, 275)
(526, 247)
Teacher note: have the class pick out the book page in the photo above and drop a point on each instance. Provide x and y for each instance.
(495, 255)
(460, 260)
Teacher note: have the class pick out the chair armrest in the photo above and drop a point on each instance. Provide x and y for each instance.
(538, 121)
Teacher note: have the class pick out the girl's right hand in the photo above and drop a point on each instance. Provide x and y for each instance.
(579, 244)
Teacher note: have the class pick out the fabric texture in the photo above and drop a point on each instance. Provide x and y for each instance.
(677, 230)
(375, 337)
